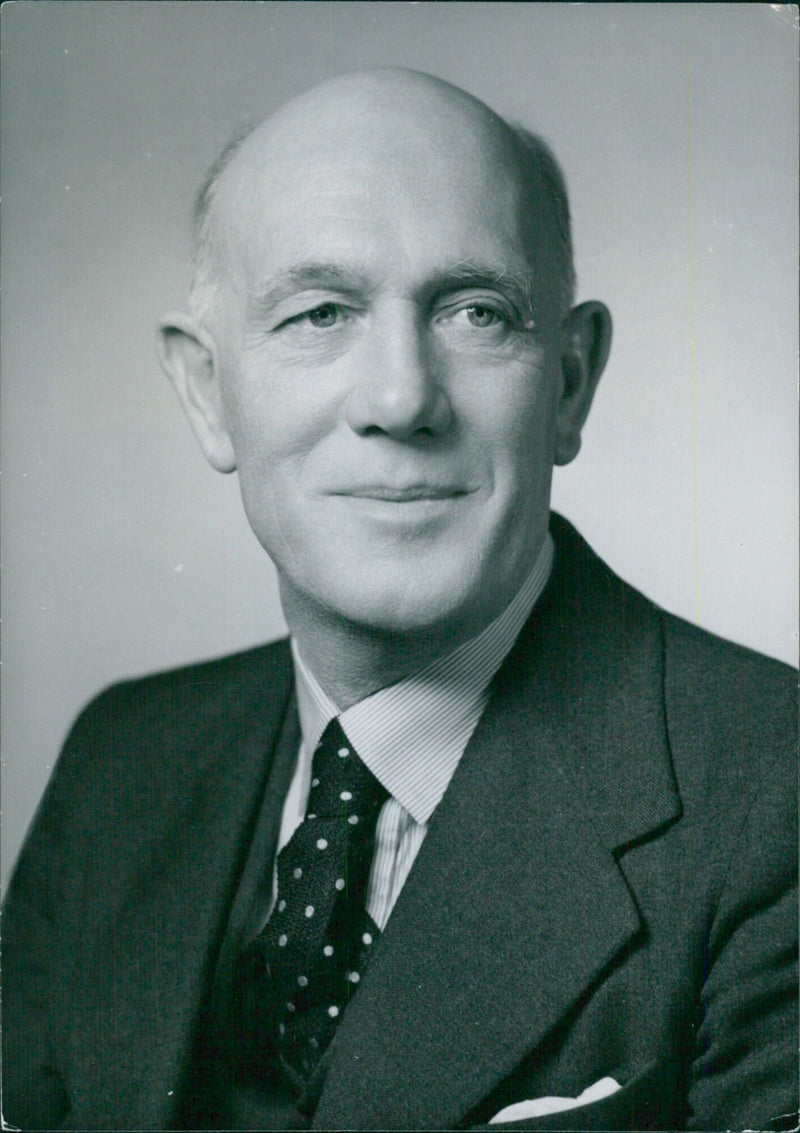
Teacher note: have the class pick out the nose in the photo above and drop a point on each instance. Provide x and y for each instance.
(397, 390)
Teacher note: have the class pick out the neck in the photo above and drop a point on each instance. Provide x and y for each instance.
(352, 661)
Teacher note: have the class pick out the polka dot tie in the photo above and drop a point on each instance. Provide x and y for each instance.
(314, 949)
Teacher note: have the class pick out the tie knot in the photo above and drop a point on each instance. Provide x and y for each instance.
(341, 783)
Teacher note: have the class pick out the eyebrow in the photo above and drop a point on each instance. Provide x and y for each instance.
(517, 285)
(307, 277)
(313, 275)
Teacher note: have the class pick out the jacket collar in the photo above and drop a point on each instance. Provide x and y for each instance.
(515, 904)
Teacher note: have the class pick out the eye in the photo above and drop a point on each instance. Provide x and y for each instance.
(481, 316)
(325, 316)
(467, 314)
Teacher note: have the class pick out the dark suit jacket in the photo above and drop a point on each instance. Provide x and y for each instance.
(605, 889)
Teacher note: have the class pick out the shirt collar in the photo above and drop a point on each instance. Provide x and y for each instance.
(412, 734)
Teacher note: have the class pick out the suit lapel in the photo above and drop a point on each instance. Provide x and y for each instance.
(515, 904)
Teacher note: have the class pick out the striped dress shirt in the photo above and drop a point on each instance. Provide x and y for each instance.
(411, 735)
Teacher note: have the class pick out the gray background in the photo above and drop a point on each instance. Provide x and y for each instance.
(677, 127)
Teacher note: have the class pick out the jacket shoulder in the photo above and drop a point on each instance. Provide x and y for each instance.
(142, 745)
(201, 677)
(699, 666)
(189, 694)
(694, 651)
(746, 698)
(729, 712)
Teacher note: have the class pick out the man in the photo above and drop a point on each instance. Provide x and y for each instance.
(494, 840)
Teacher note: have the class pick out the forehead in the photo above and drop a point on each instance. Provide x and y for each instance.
(395, 190)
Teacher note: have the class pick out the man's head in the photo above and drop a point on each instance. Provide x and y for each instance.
(382, 344)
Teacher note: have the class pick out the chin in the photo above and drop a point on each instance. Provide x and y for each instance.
(413, 606)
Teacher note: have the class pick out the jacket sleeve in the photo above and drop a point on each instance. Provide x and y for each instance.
(745, 1071)
(42, 920)
(35, 975)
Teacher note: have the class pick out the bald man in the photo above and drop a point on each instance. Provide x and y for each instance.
(491, 840)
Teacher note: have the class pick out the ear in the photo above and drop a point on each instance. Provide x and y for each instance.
(585, 345)
(188, 355)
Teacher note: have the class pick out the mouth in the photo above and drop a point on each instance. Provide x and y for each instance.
(411, 494)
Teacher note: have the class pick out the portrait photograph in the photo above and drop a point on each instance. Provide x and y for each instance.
(399, 522)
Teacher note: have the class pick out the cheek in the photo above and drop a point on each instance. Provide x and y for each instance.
(275, 414)
(513, 421)
(278, 421)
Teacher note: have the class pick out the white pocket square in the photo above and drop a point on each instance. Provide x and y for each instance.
(540, 1107)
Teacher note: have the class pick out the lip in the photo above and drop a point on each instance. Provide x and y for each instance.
(410, 494)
